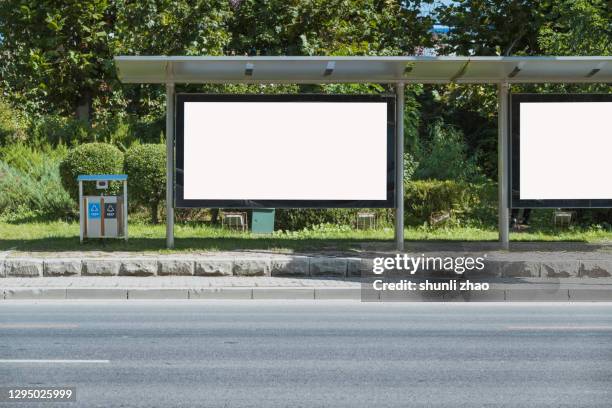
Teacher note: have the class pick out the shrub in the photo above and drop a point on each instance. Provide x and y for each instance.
(146, 165)
(30, 184)
(12, 124)
(444, 156)
(300, 218)
(410, 166)
(90, 158)
(24, 157)
(594, 216)
(466, 202)
(59, 130)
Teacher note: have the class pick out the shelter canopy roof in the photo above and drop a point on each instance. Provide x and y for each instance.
(329, 69)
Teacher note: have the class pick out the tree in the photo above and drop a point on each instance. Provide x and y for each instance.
(483, 28)
(58, 54)
(578, 27)
(494, 27)
(172, 27)
(327, 27)
(165, 27)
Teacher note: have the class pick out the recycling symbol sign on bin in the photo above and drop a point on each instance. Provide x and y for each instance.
(110, 210)
(94, 210)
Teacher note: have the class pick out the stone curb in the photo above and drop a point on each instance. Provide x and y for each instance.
(519, 294)
(158, 294)
(276, 266)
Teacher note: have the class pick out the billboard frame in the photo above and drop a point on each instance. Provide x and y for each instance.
(514, 143)
(247, 203)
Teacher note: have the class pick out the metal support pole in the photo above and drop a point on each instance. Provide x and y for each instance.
(503, 169)
(169, 165)
(81, 211)
(125, 210)
(399, 167)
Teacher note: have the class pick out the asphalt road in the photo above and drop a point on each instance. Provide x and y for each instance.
(310, 354)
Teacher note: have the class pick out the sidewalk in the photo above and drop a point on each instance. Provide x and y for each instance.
(530, 271)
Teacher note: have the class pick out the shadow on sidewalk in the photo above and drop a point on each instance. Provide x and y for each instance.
(342, 246)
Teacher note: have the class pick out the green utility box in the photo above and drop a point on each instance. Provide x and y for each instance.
(262, 221)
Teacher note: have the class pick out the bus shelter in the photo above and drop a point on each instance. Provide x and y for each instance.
(396, 70)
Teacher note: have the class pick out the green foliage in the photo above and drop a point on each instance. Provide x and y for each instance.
(578, 27)
(60, 51)
(145, 165)
(443, 156)
(172, 27)
(121, 131)
(57, 56)
(472, 109)
(57, 63)
(23, 157)
(494, 27)
(412, 116)
(30, 184)
(57, 130)
(498, 27)
(589, 217)
(464, 202)
(410, 167)
(12, 124)
(163, 27)
(301, 218)
(323, 27)
(64, 236)
(90, 158)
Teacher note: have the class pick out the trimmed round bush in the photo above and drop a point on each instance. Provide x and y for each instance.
(145, 165)
(90, 158)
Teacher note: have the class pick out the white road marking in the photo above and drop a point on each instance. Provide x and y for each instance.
(30, 361)
(38, 326)
(560, 328)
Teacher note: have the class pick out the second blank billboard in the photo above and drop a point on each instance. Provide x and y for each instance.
(562, 150)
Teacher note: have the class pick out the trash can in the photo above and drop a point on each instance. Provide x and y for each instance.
(262, 221)
(103, 216)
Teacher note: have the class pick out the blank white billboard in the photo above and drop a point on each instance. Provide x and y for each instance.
(285, 151)
(565, 150)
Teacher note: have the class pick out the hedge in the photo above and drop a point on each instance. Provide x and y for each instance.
(463, 202)
(30, 184)
(91, 158)
(300, 218)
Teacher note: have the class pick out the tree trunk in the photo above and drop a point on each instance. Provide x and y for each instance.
(83, 109)
(154, 211)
